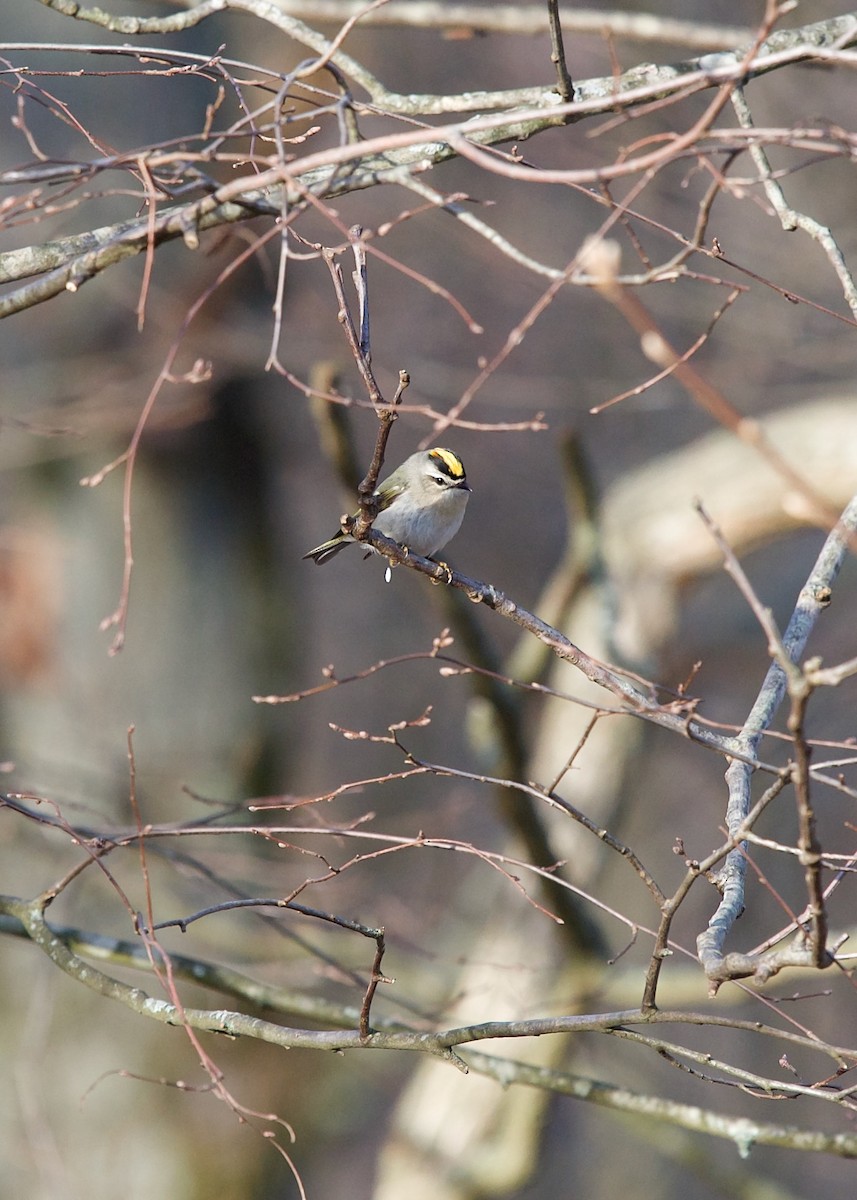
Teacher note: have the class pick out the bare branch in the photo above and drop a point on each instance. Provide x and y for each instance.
(790, 219)
(812, 601)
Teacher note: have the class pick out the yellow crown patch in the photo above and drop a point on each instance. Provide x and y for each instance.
(451, 462)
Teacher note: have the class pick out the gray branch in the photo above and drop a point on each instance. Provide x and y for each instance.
(67, 263)
(813, 600)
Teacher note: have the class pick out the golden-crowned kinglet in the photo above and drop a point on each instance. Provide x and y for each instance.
(421, 505)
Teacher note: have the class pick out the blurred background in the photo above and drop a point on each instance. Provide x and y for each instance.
(232, 485)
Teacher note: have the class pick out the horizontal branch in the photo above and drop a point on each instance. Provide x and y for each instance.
(521, 18)
(745, 1133)
(804, 42)
(66, 264)
(32, 918)
(121, 952)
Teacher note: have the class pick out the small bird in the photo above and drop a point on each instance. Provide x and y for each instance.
(420, 506)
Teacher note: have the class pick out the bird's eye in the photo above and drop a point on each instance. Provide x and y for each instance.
(440, 480)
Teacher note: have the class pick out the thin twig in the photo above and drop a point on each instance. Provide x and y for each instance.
(565, 86)
(808, 843)
(361, 284)
(602, 259)
(790, 218)
(354, 340)
(386, 419)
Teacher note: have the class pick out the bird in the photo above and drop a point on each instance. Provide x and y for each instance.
(420, 506)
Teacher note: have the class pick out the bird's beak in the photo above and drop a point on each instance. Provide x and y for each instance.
(464, 486)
